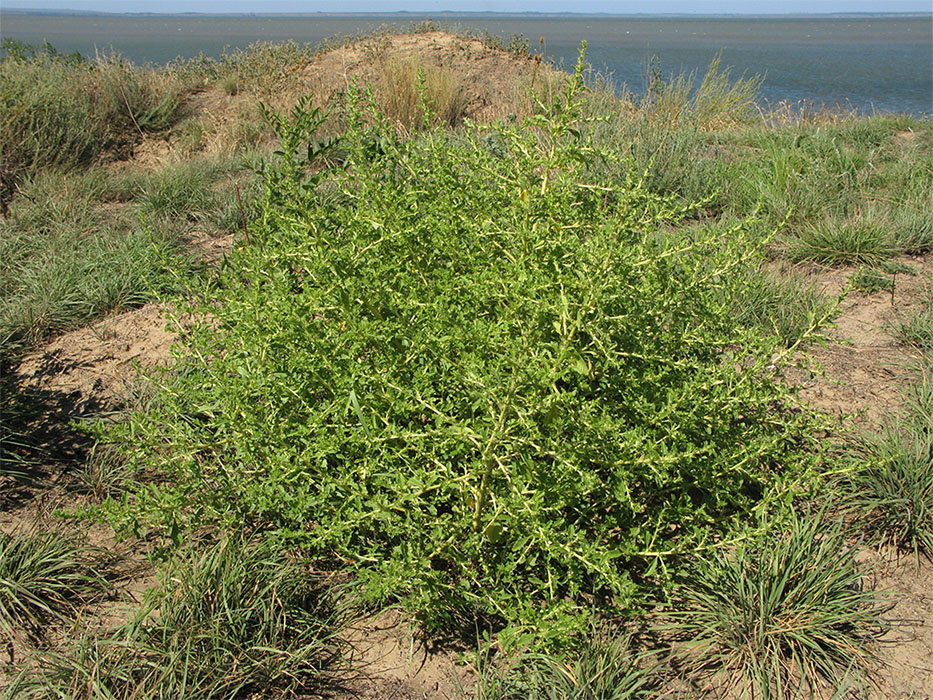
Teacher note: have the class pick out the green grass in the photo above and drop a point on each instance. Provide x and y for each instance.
(890, 493)
(915, 328)
(45, 575)
(80, 245)
(69, 263)
(233, 621)
(604, 666)
(782, 615)
(780, 304)
(870, 279)
(65, 112)
(842, 241)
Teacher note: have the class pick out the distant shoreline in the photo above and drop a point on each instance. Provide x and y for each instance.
(461, 13)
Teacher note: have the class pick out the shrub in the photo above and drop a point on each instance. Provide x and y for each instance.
(490, 385)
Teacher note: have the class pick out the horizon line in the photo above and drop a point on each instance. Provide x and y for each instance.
(69, 12)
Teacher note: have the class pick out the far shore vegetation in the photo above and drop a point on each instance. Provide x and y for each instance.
(516, 371)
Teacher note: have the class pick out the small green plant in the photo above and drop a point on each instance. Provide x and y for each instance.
(781, 614)
(231, 85)
(45, 574)
(915, 328)
(716, 101)
(890, 493)
(871, 279)
(783, 305)
(182, 190)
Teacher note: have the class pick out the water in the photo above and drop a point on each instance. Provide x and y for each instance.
(873, 63)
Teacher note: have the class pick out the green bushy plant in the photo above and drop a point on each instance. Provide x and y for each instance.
(491, 386)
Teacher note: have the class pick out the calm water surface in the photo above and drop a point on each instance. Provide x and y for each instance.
(869, 62)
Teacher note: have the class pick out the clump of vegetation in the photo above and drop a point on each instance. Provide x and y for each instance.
(871, 279)
(915, 328)
(226, 623)
(782, 305)
(890, 493)
(403, 86)
(842, 242)
(717, 101)
(64, 111)
(781, 614)
(514, 362)
(604, 667)
(45, 575)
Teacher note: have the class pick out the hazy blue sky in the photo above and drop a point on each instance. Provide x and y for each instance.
(619, 6)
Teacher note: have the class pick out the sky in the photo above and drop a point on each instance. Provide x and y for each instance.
(427, 6)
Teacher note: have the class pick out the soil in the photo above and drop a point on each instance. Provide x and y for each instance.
(488, 78)
(857, 374)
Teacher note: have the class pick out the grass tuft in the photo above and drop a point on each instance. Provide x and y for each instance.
(405, 88)
(891, 493)
(605, 667)
(45, 574)
(782, 614)
(236, 620)
(834, 241)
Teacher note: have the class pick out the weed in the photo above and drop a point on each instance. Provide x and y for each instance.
(480, 345)
(181, 190)
(62, 275)
(915, 329)
(781, 614)
(717, 101)
(869, 279)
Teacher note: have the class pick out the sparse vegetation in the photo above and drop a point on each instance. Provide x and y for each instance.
(235, 619)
